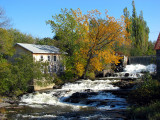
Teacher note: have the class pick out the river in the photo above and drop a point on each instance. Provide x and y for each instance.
(81, 100)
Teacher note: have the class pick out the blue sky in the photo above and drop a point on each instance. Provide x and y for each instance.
(30, 16)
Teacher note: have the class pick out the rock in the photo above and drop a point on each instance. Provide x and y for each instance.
(88, 90)
(112, 106)
(138, 75)
(4, 105)
(126, 75)
(108, 75)
(115, 75)
(79, 95)
(99, 75)
(56, 86)
(76, 97)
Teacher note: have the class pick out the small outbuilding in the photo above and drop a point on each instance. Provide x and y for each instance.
(157, 48)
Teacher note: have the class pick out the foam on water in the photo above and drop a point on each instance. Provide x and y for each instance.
(35, 100)
(95, 85)
(103, 96)
(137, 68)
(44, 116)
(55, 97)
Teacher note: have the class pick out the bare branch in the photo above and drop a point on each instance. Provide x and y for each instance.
(4, 21)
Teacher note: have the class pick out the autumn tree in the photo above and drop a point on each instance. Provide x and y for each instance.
(98, 41)
(94, 39)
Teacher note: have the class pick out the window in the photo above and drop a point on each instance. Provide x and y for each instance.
(55, 68)
(41, 57)
(49, 68)
(55, 59)
(61, 68)
(49, 58)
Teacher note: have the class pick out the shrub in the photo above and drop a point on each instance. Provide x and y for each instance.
(146, 92)
(68, 76)
(57, 80)
(149, 112)
(91, 75)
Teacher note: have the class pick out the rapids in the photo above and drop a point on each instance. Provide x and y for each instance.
(82, 100)
(135, 71)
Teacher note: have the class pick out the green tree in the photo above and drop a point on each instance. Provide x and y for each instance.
(19, 37)
(45, 41)
(6, 42)
(5, 76)
(139, 32)
(65, 28)
(151, 50)
(16, 77)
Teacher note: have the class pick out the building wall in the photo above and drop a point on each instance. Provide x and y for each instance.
(54, 60)
(158, 63)
(20, 50)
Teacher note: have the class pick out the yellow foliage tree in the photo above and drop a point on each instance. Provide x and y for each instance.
(97, 39)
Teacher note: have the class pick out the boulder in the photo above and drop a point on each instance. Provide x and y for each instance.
(126, 75)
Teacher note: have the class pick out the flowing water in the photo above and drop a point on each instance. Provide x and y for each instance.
(81, 100)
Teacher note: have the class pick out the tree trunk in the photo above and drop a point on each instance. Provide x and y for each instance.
(87, 66)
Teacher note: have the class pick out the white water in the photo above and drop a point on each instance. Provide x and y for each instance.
(95, 85)
(136, 70)
(140, 68)
(55, 98)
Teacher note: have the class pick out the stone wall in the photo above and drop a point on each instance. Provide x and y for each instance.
(42, 84)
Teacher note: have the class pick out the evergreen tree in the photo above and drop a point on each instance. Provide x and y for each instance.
(139, 32)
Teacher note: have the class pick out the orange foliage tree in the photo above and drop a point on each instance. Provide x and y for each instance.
(98, 38)
(95, 41)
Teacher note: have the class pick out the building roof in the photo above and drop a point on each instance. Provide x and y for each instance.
(39, 48)
(157, 45)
